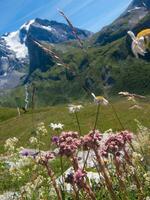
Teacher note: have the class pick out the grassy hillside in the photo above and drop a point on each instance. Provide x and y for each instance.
(58, 84)
(23, 127)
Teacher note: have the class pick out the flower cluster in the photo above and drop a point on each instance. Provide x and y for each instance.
(116, 143)
(41, 130)
(126, 136)
(11, 143)
(68, 143)
(27, 190)
(92, 139)
(78, 177)
(33, 140)
(16, 167)
(45, 156)
(147, 178)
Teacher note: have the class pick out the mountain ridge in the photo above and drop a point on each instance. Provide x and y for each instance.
(14, 46)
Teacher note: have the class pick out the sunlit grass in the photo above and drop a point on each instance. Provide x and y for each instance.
(23, 127)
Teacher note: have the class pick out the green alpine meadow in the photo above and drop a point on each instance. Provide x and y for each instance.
(75, 100)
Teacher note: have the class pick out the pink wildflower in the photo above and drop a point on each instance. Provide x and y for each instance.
(127, 136)
(68, 143)
(46, 156)
(92, 139)
(79, 177)
(113, 144)
(116, 143)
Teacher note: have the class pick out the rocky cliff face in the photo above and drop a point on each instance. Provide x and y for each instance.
(18, 50)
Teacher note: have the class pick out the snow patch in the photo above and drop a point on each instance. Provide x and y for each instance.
(135, 8)
(48, 28)
(26, 26)
(14, 44)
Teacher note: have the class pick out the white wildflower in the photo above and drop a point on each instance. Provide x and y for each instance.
(11, 143)
(33, 140)
(74, 108)
(138, 44)
(41, 130)
(133, 187)
(100, 99)
(56, 126)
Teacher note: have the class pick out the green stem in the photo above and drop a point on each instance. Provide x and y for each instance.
(62, 171)
(97, 115)
(114, 110)
(96, 120)
(76, 115)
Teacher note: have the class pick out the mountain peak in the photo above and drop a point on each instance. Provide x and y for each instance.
(16, 47)
(26, 26)
(140, 3)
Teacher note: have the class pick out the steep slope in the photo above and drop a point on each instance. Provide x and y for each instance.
(107, 66)
(136, 11)
(17, 49)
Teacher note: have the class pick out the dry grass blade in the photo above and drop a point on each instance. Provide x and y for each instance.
(58, 60)
(72, 27)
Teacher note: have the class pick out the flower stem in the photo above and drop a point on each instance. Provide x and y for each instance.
(97, 115)
(95, 124)
(121, 183)
(105, 174)
(52, 176)
(114, 110)
(76, 115)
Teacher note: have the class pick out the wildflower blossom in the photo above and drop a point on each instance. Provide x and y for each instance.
(33, 140)
(115, 143)
(140, 42)
(100, 99)
(16, 167)
(45, 156)
(127, 136)
(79, 177)
(138, 46)
(28, 152)
(55, 139)
(147, 178)
(11, 143)
(133, 187)
(68, 143)
(56, 126)
(74, 108)
(92, 139)
(41, 130)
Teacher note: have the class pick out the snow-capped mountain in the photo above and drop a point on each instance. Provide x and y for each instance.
(14, 46)
(136, 4)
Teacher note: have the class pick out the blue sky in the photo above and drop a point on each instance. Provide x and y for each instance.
(87, 14)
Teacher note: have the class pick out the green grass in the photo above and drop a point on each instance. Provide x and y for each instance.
(23, 127)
